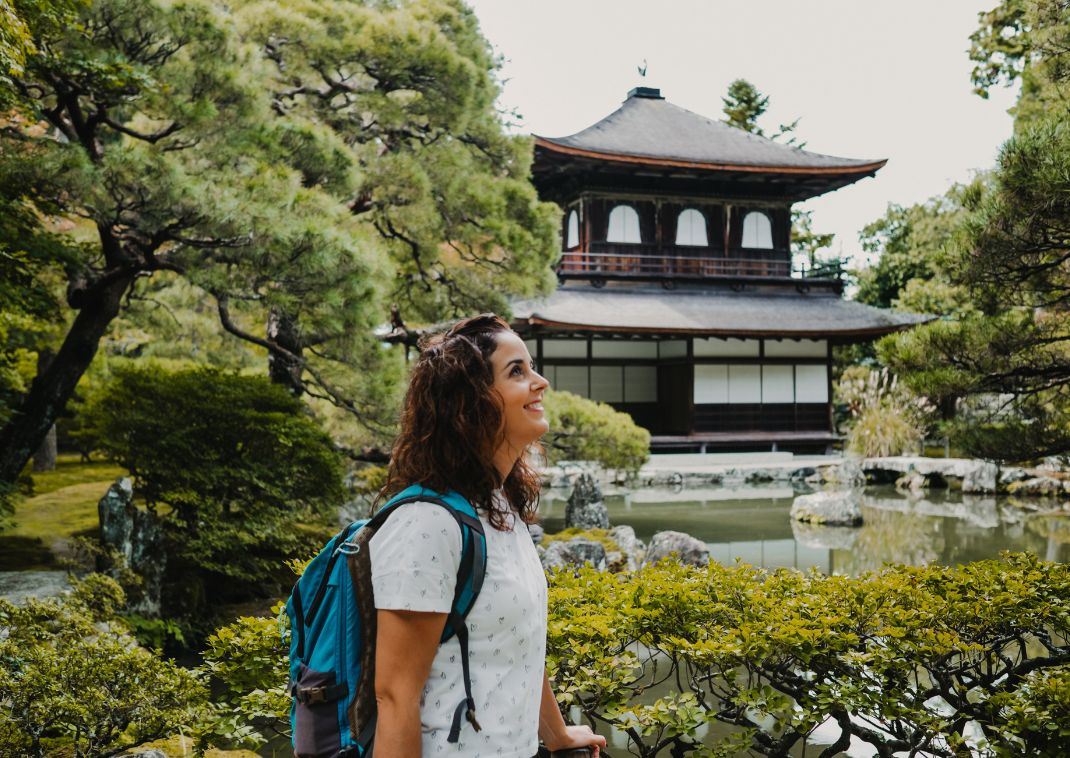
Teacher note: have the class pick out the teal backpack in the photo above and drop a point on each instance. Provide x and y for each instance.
(332, 624)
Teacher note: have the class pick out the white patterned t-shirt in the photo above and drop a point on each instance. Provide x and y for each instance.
(414, 558)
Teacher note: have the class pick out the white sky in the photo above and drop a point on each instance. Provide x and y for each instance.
(868, 79)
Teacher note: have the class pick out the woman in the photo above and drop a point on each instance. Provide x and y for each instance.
(473, 409)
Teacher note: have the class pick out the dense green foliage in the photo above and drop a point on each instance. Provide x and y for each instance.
(248, 662)
(1027, 41)
(1012, 251)
(884, 417)
(907, 658)
(911, 272)
(904, 660)
(585, 430)
(992, 259)
(231, 463)
(74, 682)
(293, 164)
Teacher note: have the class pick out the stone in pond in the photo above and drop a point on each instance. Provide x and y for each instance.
(585, 508)
(840, 508)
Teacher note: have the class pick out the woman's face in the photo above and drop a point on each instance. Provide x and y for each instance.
(520, 388)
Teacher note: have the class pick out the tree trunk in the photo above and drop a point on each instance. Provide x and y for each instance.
(53, 387)
(45, 457)
(283, 330)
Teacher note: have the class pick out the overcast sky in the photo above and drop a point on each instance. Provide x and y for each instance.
(867, 79)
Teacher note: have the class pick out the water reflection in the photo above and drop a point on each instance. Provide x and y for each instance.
(751, 523)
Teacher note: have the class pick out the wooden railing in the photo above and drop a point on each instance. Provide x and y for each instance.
(646, 265)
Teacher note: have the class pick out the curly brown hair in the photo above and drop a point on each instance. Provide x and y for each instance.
(451, 425)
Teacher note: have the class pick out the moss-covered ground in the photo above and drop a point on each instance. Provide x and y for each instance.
(63, 506)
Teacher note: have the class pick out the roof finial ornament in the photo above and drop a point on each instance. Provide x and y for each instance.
(642, 69)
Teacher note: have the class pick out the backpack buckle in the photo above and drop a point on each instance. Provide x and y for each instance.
(320, 695)
(311, 695)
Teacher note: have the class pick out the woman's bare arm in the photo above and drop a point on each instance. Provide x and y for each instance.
(405, 646)
(555, 733)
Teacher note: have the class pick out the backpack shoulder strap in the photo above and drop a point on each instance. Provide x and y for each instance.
(470, 575)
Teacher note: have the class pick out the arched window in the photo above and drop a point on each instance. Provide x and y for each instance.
(757, 231)
(572, 231)
(623, 225)
(691, 228)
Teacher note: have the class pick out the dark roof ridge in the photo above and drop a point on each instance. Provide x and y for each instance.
(657, 130)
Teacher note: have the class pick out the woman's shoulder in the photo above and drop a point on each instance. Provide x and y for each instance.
(419, 521)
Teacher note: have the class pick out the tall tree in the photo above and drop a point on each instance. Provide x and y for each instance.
(181, 149)
(1010, 361)
(912, 245)
(1026, 41)
(744, 106)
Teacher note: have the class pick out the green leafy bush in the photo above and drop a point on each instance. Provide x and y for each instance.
(74, 682)
(600, 536)
(885, 417)
(249, 664)
(905, 659)
(582, 429)
(234, 466)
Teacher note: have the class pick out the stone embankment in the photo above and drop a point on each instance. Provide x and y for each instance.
(586, 510)
(910, 473)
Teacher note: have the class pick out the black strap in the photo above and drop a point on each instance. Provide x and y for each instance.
(300, 622)
(456, 621)
(366, 739)
(320, 695)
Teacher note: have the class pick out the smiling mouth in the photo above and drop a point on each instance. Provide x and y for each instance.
(536, 406)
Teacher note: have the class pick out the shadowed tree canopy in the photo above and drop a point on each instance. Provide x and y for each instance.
(296, 163)
(1009, 359)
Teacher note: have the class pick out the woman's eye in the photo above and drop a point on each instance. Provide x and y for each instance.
(517, 371)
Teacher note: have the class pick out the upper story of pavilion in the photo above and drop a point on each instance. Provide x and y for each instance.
(655, 192)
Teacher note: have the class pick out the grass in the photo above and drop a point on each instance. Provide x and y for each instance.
(63, 506)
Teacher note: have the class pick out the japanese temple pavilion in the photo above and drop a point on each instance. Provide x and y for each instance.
(678, 302)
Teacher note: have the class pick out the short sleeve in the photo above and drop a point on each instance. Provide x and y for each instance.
(414, 559)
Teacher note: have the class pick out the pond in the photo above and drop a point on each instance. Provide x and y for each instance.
(751, 523)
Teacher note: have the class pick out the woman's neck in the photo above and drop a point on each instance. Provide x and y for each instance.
(505, 458)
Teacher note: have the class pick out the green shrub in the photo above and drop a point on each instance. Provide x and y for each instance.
(249, 665)
(903, 659)
(772, 655)
(885, 418)
(582, 429)
(233, 465)
(594, 535)
(73, 681)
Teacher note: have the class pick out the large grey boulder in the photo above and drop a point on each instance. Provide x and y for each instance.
(981, 479)
(137, 537)
(585, 508)
(847, 473)
(631, 553)
(683, 547)
(1040, 486)
(574, 553)
(839, 508)
(19, 586)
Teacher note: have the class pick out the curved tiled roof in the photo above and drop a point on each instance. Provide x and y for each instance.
(710, 313)
(649, 129)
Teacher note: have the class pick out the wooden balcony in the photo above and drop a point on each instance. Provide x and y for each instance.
(646, 262)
